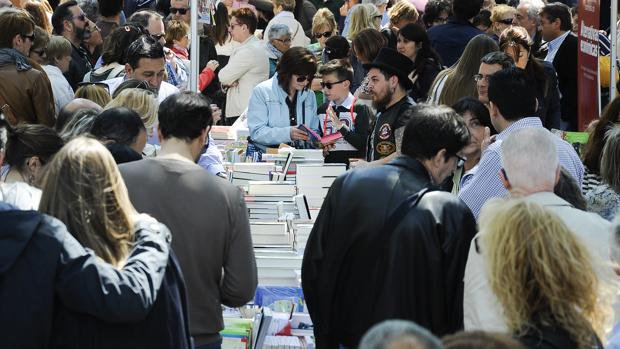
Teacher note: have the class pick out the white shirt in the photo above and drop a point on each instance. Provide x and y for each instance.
(165, 89)
(20, 195)
(63, 93)
(554, 45)
(248, 66)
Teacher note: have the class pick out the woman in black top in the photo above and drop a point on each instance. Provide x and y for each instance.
(413, 42)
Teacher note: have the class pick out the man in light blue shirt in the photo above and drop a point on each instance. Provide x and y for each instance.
(511, 100)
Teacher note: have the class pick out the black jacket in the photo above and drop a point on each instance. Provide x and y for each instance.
(549, 110)
(552, 337)
(423, 259)
(166, 325)
(565, 64)
(41, 263)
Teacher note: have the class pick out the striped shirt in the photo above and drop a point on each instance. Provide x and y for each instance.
(486, 183)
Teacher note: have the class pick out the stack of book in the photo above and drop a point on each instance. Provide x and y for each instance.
(237, 333)
(268, 201)
(301, 235)
(300, 156)
(314, 180)
(244, 172)
(278, 266)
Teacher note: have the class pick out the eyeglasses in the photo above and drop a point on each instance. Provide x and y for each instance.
(327, 34)
(178, 10)
(285, 41)
(460, 160)
(329, 85)
(158, 36)
(480, 77)
(303, 78)
(29, 37)
(81, 17)
(507, 21)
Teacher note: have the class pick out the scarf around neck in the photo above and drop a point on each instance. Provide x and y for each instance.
(274, 51)
(12, 56)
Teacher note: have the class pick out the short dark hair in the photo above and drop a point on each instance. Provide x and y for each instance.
(432, 128)
(466, 9)
(117, 43)
(246, 16)
(498, 57)
(184, 115)
(512, 93)
(121, 125)
(298, 61)
(477, 110)
(388, 74)
(482, 18)
(559, 10)
(109, 8)
(340, 67)
(14, 22)
(144, 47)
(62, 13)
(433, 10)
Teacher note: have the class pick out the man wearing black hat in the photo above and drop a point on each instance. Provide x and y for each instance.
(388, 82)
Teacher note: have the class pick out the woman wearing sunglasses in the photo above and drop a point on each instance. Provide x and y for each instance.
(502, 17)
(281, 104)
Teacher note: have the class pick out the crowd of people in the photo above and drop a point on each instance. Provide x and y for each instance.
(463, 221)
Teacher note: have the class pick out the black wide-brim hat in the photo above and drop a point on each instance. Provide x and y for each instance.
(393, 62)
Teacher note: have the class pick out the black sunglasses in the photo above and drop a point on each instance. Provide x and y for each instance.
(29, 37)
(325, 35)
(179, 10)
(507, 21)
(303, 78)
(329, 85)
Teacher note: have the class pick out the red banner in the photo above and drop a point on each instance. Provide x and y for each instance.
(587, 72)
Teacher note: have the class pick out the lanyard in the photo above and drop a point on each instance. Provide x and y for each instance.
(327, 116)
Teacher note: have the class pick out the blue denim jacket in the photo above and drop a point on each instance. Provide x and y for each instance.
(268, 116)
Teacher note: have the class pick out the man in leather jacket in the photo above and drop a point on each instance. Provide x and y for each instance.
(364, 263)
(41, 263)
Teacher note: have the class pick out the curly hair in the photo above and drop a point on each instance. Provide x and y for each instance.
(540, 271)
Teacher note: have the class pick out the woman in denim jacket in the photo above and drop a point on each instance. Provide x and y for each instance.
(281, 104)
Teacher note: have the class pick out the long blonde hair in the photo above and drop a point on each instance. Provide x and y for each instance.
(540, 271)
(141, 101)
(83, 188)
(361, 18)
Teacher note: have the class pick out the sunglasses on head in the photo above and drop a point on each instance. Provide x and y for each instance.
(507, 21)
(329, 85)
(178, 10)
(325, 35)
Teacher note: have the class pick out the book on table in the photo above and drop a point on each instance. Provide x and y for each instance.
(266, 188)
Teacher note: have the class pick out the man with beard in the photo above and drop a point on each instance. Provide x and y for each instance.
(388, 83)
(70, 21)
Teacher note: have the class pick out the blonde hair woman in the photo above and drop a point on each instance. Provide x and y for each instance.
(542, 276)
(324, 26)
(84, 189)
(502, 17)
(142, 102)
(362, 17)
(94, 91)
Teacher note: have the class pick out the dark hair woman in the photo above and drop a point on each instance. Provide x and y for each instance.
(414, 43)
(281, 104)
(516, 42)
